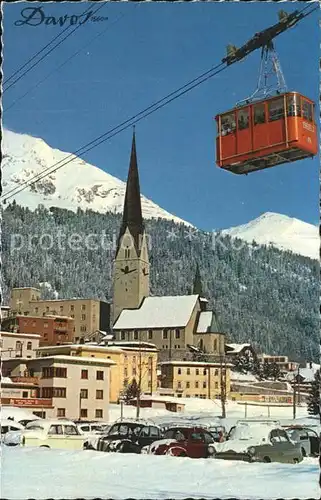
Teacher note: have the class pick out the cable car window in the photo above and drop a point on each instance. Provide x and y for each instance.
(228, 124)
(259, 114)
(293, 105)
(276, 109)
(243, 119)
(307, 110)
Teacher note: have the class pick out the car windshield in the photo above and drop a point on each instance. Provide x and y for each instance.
(250, 432)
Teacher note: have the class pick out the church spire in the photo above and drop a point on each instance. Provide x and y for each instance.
(132, 214)
(197, 285)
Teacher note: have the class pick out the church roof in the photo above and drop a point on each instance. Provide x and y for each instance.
(158, 312)
(132, 213)
(207, 323)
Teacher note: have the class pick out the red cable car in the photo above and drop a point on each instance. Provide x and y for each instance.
(266, 133)
(269, 128)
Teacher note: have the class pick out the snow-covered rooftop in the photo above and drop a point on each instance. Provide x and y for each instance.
(71, 359)
(25, 335)
(204, 321)
(158, 312)
(242, 377)
(237, 347)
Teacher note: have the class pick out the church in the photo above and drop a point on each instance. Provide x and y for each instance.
(177, 325)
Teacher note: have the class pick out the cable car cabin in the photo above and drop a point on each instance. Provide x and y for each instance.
(266, 133)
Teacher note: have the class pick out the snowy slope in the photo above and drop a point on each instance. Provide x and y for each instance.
(283, 232)
(77, 184)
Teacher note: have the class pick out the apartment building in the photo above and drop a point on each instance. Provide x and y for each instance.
(282, 361)
(66, 386)
(18, 345)
(130, 361)
(90, 315)
(195, 379)
(53, 330)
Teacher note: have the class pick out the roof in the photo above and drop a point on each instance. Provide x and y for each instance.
(237, 347)
(158, 312)
(207, 322)
(14, 334)
(133, 346)
(308, 373)
(71, 359)
(84, 347)
(46, 316)
(195, 363)
(66, 300)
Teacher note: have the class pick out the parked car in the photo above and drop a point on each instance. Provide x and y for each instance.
(258, 443)
(91, 427)
(61, 434)
(184, 441)
(307, 438)
(127, 436)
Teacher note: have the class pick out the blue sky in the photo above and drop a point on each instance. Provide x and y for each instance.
(147, 51)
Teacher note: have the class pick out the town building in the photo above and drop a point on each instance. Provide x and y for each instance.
(282, 362)
(90, 315)
(18, 345)
(53, 330)
(63, 386)
(204, 380)
(234, 351)
(172, 323)
(131, 361)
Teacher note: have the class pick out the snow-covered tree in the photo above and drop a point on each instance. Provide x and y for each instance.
(314, 396)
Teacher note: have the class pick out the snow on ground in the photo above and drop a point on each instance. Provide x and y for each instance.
(42, 473)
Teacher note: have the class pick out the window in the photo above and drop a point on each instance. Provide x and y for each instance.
(125, 373)
(84, 393)
(99, 413)
(29, 346)
(25, 394)
(83, 413)
(215, 345)
(84, 374)
(72, 307)
(61, 412)
(179, 385)
(70, 430)
(204, 385)
(177, 333)
(135, 335)
(165, 334)
(259, 114)
(54, 430)
(179, 371)
(72, 315)
(61, 308)
(83, 317)
(83, 328)
(150, 334)
(197, 371)
(293, 105)
(36, 310)
(83, 307)
(45, 325)
(60, 372)
(188, 371)
(196, 385)
(122, 335)
(307, 110)
(99, 375)
(127, 253)
(276, 109)
(18, 346)
(46, 392)
(187, 385)
(243, 119)
(204, 371)
(59, 392)
(99, 394)
(134, 371)
(228, 124)
(47, 310)
(216, 372)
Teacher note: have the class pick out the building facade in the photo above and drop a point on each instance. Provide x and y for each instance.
(66, 386)
(89, 315)
(204, 380)
(130, 362)
(53, 330)
(17, 345)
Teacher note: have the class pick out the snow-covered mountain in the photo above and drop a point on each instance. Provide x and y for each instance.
(283, 232)
(78, 184)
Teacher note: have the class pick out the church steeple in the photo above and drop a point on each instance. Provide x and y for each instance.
(132, 214)
(131, 264)
(197, 285)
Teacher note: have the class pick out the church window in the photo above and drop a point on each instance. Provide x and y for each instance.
(165, 334)
(127, 253)
(122, 335)
(177, 333)
(215, 345)
(150, 334)
(135, 335)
